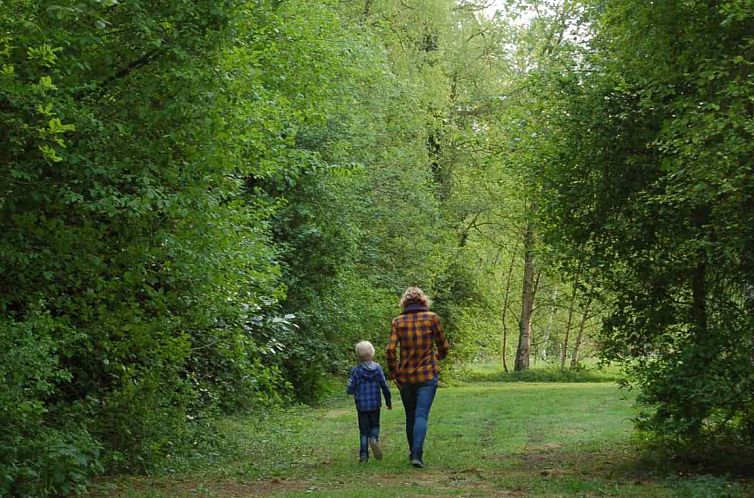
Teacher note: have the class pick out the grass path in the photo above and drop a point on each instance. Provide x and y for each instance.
(484, 440)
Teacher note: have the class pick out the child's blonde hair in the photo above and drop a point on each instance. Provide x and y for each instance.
(364, 349)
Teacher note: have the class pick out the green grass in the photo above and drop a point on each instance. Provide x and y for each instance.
(543, 372)
(486, 439)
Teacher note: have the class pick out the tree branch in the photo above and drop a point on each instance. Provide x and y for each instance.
(121, 73)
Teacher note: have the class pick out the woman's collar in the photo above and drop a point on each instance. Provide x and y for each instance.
(414, 307)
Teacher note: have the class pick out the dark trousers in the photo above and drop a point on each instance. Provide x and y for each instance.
(369, 426)
(417, 401)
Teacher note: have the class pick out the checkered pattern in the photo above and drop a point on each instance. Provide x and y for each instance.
(365, 385)
(417, 332)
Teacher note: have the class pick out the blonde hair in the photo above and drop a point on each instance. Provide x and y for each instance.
(364, 349)
(414, 295)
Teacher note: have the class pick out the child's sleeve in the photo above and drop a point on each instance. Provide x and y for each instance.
(385, 389)
(351, 385)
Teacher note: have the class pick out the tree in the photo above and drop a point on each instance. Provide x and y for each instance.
(652, 184)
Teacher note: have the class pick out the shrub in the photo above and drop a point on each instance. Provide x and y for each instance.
(43, 452)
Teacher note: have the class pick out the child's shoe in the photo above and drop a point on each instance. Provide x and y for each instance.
(376, 450)
(363, 458)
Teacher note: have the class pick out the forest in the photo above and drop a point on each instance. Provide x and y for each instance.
(205, 205)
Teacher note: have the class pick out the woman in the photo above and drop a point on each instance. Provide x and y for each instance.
(417, 330)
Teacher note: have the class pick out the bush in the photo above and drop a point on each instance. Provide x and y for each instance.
(43, 452)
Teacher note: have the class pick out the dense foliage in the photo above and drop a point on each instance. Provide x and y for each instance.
(204, 205)
(653, 187)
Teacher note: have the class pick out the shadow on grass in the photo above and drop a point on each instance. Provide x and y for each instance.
(730, 459)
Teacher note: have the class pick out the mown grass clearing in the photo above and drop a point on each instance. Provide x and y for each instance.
(588, 371)
(485, 440)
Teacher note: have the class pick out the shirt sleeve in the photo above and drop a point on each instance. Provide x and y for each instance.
(442, 342)
(385, 388)
(351, 385)
(391, 347)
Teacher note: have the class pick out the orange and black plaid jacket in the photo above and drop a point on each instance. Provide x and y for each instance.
(417, 332)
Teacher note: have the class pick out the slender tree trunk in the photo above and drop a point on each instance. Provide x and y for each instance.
(749, 298)
(699, 321)
(580, 335)
(550, 324)
(747, 267)
(506, 299)
(569, 322)
(694, 409)
(747, 270)
(699, 299)
(527, 301)
(535, 352)
(505, 345)
(699, 282)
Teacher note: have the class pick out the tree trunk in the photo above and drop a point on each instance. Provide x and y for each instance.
(505, 312)
(699, 282)
(505, 345)
(527, 302)
(747, 272)
(550, 324)
(749, 299)
(569, 322)
(580, 335)
(699, 299)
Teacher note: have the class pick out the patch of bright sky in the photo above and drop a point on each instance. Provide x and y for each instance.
(574, 32)
(495, 5)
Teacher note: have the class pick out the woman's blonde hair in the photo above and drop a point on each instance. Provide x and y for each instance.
(414, 295)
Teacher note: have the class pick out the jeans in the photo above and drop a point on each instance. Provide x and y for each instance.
(369, 427)
(417, 401)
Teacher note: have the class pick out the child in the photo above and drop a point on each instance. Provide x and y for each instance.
(365, 382)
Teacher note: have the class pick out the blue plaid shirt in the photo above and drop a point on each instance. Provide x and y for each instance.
(364, 383)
